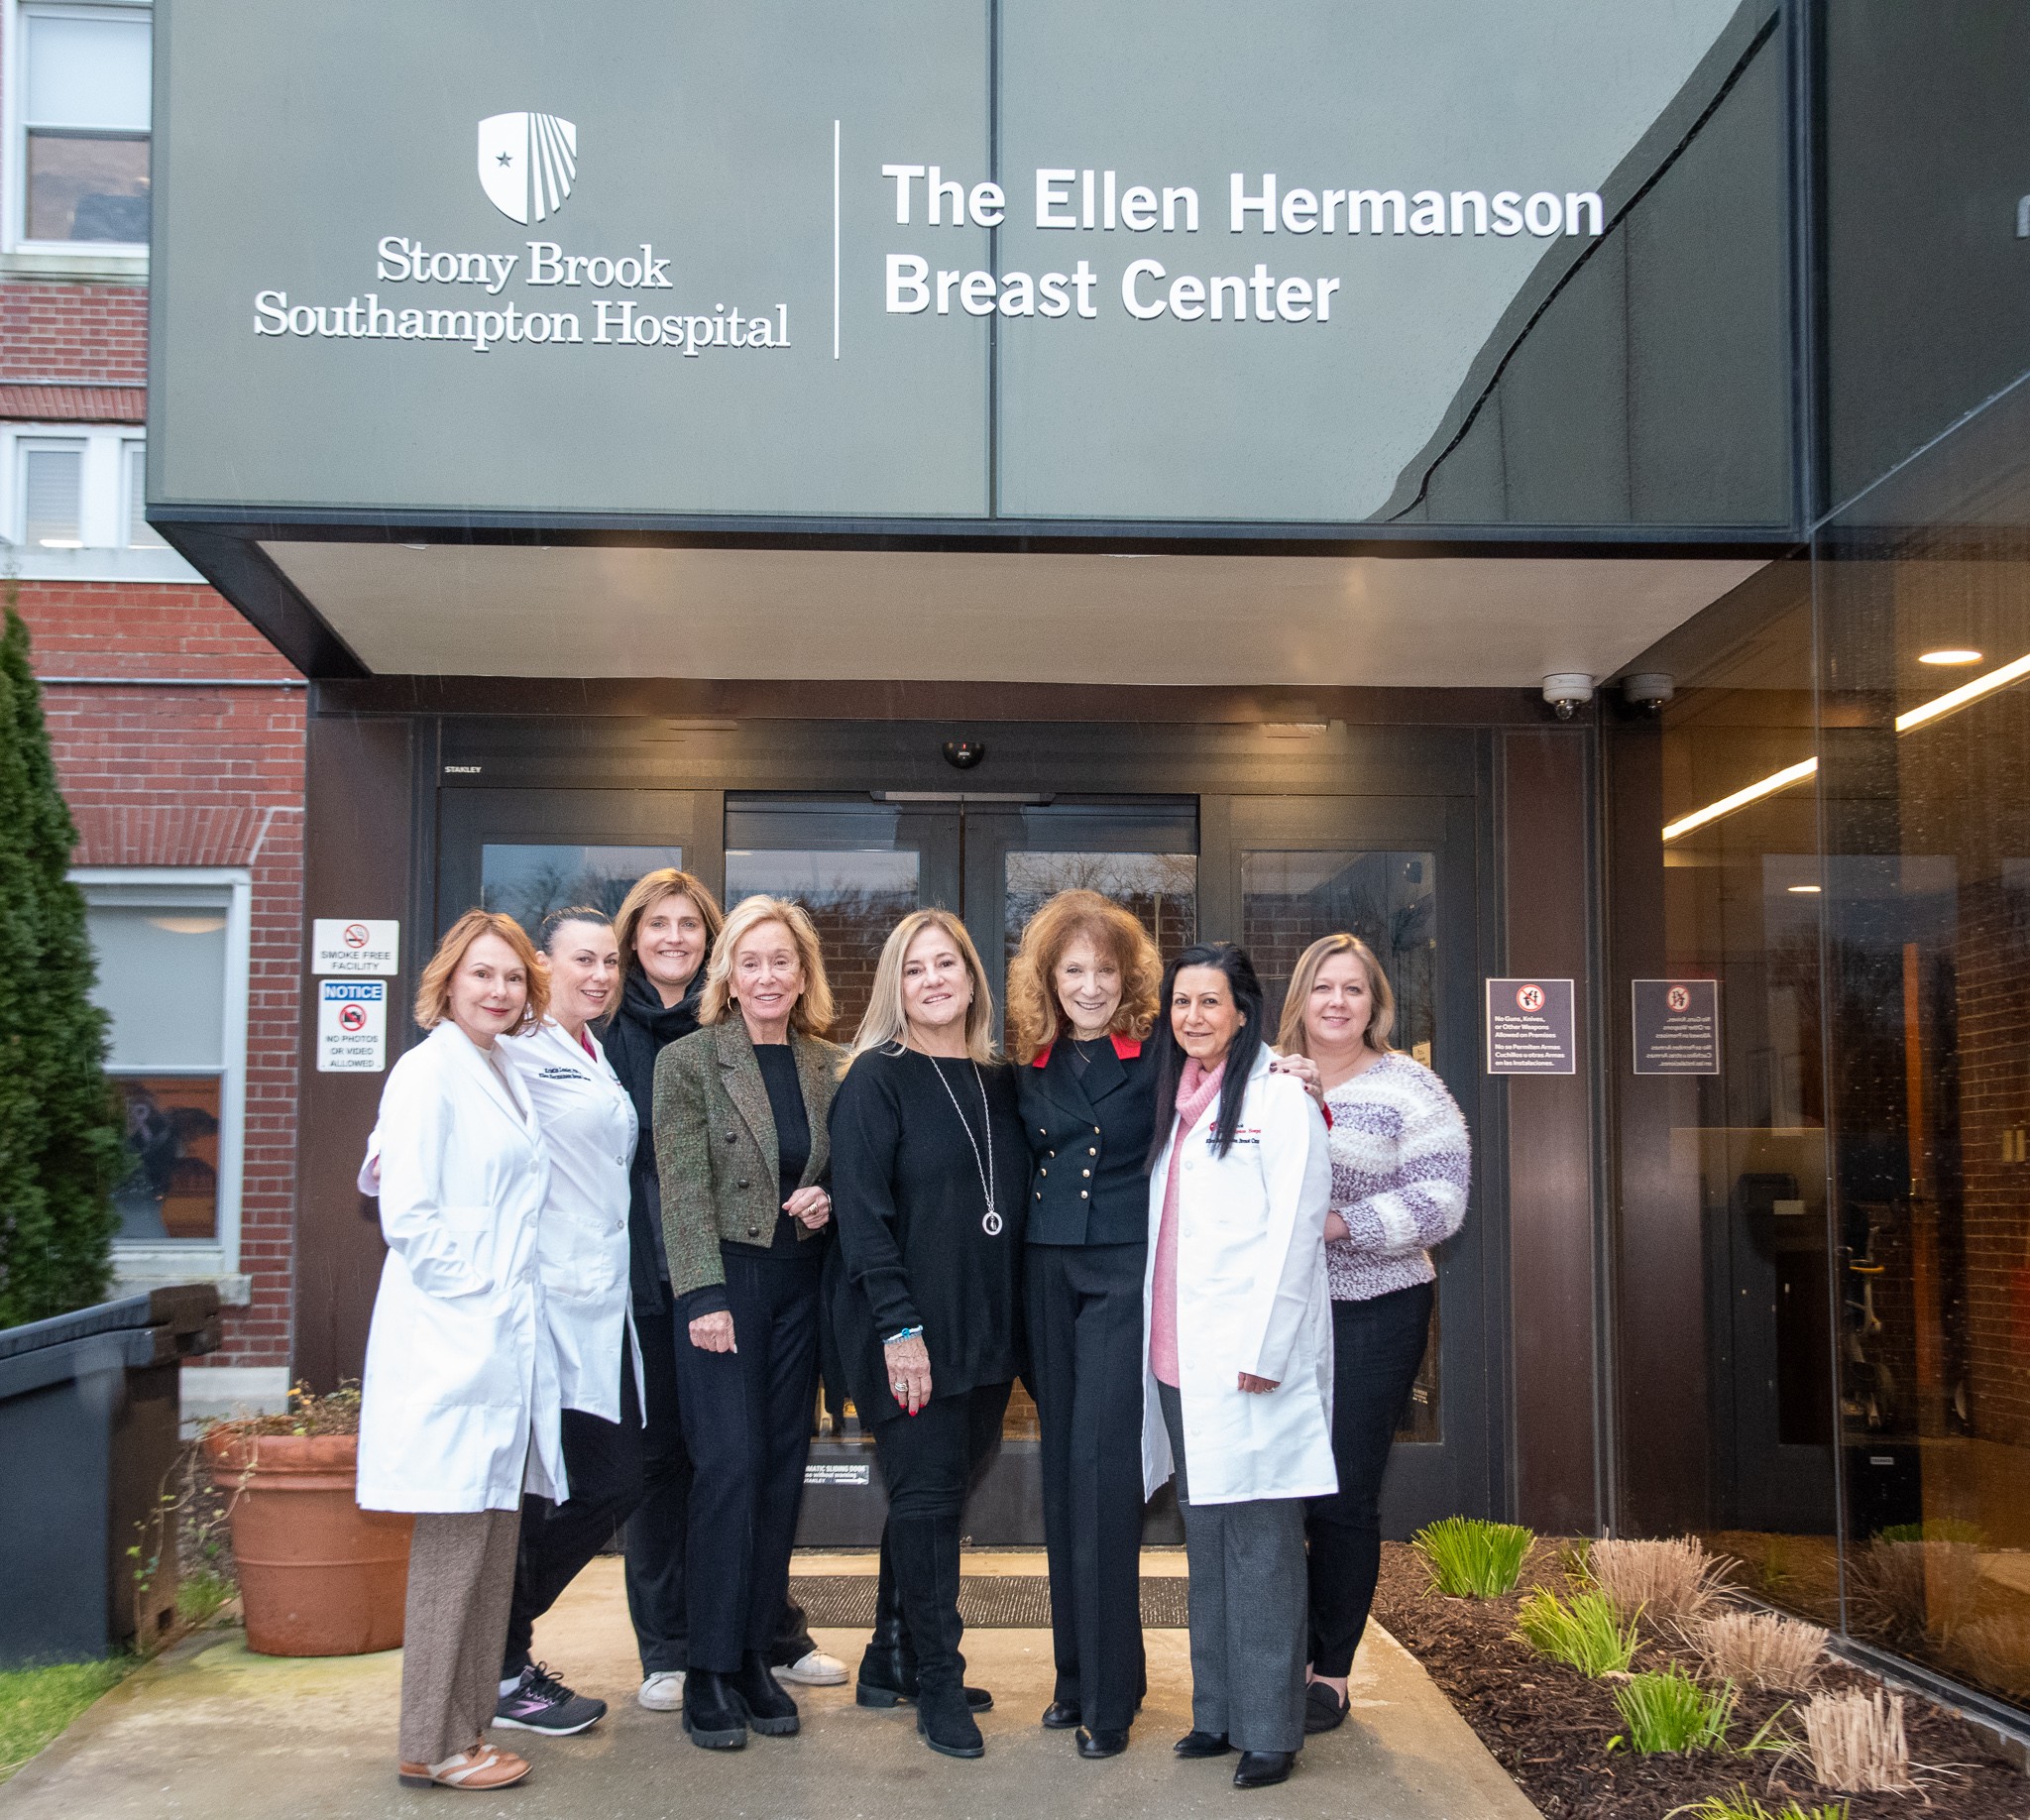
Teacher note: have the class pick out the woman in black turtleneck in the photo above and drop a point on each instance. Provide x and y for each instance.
(665, 930)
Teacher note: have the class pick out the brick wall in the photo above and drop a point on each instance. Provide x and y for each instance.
(196, 775)
(74, 331)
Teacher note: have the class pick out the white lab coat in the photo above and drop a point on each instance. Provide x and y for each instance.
(590, 1128)
(1252, 1298)
(458, 1407)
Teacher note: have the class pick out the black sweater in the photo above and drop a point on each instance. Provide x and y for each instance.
(642, 1030)
(914, 1249)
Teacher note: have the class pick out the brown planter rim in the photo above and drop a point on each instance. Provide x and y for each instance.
(234, 1454)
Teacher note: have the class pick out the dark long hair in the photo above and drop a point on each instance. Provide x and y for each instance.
(1224, 958)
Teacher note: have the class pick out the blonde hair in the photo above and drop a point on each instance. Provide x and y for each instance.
(812, 1013)
(433, 990)
(648, 891)
(886, 1024)
(1290, 1033)
(1036, 1016)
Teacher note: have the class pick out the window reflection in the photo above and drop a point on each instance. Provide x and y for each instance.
(530, 879)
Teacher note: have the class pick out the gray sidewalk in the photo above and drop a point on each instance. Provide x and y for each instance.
(214, 1733)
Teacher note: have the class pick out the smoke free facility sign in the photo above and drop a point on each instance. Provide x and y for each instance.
(1530, 1027)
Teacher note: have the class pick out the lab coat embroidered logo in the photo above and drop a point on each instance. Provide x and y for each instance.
(527, 163)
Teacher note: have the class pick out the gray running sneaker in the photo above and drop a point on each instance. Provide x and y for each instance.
(539, 1702)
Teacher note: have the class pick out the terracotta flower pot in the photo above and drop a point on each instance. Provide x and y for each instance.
(318, 1575)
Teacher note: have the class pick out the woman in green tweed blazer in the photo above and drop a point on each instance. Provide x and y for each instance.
(741, 1150)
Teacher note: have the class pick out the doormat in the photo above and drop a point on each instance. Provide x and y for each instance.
(986, 1601)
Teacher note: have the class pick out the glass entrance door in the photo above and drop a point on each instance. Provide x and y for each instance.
(858, 864)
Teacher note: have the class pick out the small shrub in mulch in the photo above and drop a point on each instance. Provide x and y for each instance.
(1549, 1726)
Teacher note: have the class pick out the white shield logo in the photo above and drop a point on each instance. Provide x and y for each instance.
(526, 163)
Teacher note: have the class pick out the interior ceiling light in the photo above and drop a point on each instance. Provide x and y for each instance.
(1921, 716)
(1802, 891)
(1952, 653)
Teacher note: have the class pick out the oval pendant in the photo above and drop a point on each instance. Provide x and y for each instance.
(992, 1224)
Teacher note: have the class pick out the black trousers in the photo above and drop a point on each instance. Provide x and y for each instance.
(1085, 1312)
(656, 1532)
(1376, 1346)
(929, 1462)
(747, 1424)
(602, 1464)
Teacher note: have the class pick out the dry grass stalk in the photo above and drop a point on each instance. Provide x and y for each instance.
(1996, 1651)
(1757, 1649)
(1676, 1579)
(1855, 1743)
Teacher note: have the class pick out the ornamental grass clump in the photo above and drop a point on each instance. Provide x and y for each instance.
(1676, 1580)
(1587, 1634)
(1855, 1741)
(1741, 1806)
(1669, 1711)
(1470, 1558)
(1757, 1649)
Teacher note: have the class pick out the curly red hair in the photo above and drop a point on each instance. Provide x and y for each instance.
(1035, 1017)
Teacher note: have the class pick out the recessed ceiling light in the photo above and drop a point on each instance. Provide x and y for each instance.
(1803, 890)
(1950, 655)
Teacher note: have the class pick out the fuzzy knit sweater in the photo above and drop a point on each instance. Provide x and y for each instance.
(1401, 1164)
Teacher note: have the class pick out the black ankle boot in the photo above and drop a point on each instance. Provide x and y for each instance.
(715, 1715)
(945, 1723)
(770, 1711)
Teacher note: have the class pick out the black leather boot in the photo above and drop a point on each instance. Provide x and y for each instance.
(770, 1711)
(926, 1554)
(715, 1715)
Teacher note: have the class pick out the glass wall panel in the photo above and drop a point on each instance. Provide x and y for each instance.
(530, 879)
(1719, 1196)
(1924, 615)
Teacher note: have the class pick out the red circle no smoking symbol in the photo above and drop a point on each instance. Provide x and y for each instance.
(1678, 998)
(352, 1019)
(357, 935)
(1529, 998)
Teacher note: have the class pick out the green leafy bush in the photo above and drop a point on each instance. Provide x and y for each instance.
(1934, 1529)
(1587, 1634)
(1470, 1558)
(1741, 1806)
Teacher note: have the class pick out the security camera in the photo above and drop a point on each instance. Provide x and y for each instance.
(963, 755)
(1648, 689)
(1567, 692)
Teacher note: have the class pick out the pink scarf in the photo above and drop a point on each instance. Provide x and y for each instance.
(1197, 1089)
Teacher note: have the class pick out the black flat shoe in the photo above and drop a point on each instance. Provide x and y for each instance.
(1061, 1715)
(715, 1716)
(1324, 1708)
(770, 1711)
(1201, 1744)
(1101, 1744)
(1263, 1768)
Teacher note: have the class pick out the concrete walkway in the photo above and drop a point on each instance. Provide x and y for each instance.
(213, 1733)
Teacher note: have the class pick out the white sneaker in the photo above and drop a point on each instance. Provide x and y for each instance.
(814, 1669)
(664, 1692)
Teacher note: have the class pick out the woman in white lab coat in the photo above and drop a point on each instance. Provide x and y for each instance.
(1238, 1385)
(458, 1401)
(590, 1128)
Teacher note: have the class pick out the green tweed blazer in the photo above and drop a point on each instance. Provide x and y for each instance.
(714, 1143)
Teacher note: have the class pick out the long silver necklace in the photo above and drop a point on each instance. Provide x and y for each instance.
(992, 1224)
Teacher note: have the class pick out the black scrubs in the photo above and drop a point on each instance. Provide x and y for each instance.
(1088, 1111)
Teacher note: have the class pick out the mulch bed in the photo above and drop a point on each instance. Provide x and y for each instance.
(1549, 1724)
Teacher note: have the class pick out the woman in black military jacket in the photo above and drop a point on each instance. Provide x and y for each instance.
(1081, 995)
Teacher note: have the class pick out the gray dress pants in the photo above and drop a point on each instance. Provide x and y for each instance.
(1249, 1610)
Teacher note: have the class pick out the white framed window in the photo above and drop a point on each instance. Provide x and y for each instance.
(74, 505)
(172, 946)
(138, 535)
(80, 107)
